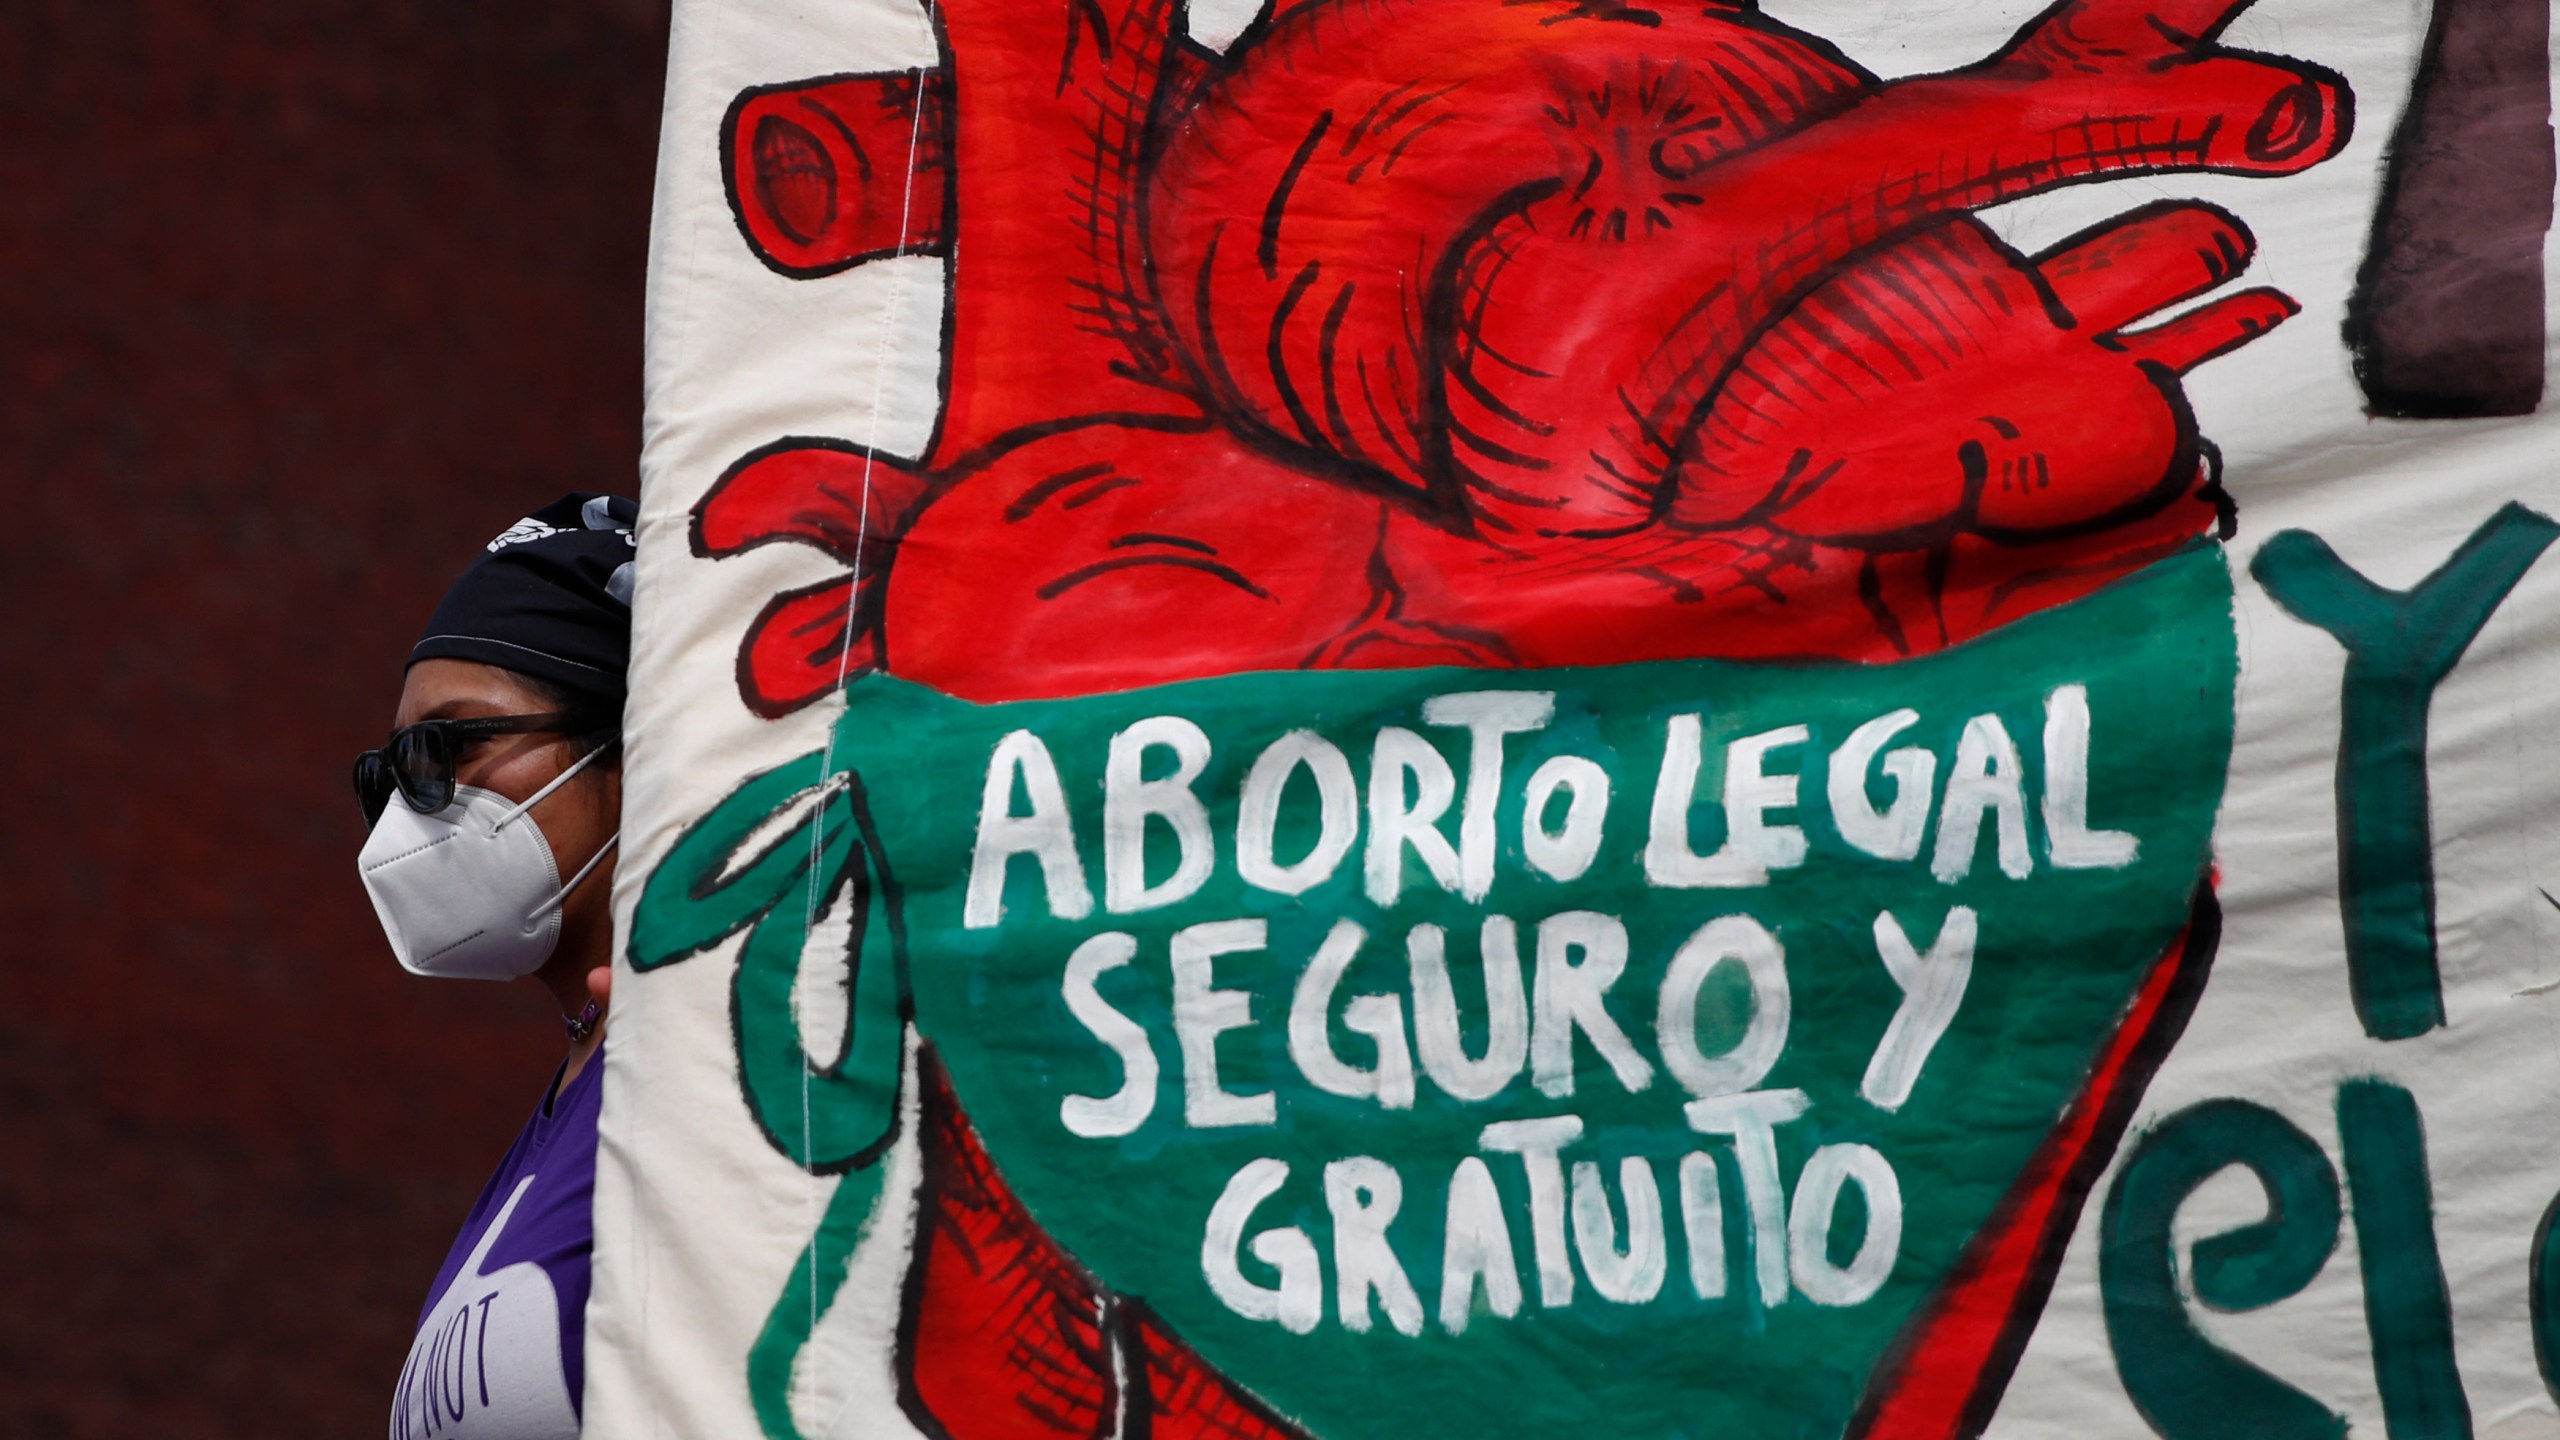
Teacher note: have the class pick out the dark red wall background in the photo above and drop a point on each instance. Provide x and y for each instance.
(300, 301)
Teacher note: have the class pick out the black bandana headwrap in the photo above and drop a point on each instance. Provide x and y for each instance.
(551, 598)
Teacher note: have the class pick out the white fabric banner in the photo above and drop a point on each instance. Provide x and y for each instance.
(2021, 526)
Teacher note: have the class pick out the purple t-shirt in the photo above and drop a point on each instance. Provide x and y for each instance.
(500, 1352)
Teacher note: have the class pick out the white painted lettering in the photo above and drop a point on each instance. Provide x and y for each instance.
(1536, 1143)
(1396, 822)
(1297, 1302)
(1476, 1250)
(2069, 842)
(1632, 1274)
(1380, 1018)
(1487, 716)
(1702, 1223)
(1202, 1012)
(1435, 1011)
(1816, 1206)
(1566, 852)
(1127, 1108)
(1570, 995)
(1364, 1195)
(1727, 937)
(1985, 778)
(1045, 834)
(1258, 814)
(1130, 800)
(1932, 987)
(1895, 832)
(1752, 1119)
(1753, 845)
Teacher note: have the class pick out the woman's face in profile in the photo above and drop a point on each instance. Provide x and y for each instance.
(575, 819)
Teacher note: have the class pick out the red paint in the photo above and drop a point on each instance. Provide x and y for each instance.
(1005, 1336)
(1521, 335)
(806, 164)
(1957, 1354)
(1533, 334)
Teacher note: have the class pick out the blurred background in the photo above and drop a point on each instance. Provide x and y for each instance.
(300, 302)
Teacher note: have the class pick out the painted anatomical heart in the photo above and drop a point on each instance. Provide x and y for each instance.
(1503, 335)
(1621, 333)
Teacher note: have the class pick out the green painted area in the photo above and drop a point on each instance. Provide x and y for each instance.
(2187, 1386)
(2400, 645)
(1778, 1344)
(817, 1274)
(2543, 1288)
(2407, 1306)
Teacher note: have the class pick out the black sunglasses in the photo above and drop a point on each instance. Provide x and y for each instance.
(417, 764)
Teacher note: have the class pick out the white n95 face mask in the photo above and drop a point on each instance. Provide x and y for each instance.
(472, 891)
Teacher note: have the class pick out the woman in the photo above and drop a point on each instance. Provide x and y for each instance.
(495, 809)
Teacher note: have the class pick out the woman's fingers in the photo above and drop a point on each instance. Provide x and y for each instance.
(2115, 273)
(2210, 330)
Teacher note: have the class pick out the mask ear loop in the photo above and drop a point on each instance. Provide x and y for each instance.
(557, 781)
(561, 895)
